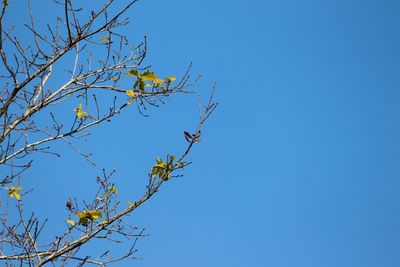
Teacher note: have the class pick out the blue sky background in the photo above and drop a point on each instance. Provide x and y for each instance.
(299, 166)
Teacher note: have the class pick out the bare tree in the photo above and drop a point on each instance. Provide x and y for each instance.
(60, 54)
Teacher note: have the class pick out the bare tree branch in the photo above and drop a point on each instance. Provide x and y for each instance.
(44, 76)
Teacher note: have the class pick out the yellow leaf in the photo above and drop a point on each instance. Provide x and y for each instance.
(13, 191)
(95, 214)
(133, 96)
(131, 93)
(14, 194)
(79, 113)
(80, 214)
(158, 81)
(170, 79)
(151, 76)
(88, 215)
(71, 222)
(14, 188)
(131, 204)
(113, 189)
(105, 38)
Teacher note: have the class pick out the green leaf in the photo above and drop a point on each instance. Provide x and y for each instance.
(88, 215)
(162, 169)
(133, 73)
(151, 76)
(171, 159)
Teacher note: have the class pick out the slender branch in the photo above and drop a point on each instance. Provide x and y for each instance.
(70, 38)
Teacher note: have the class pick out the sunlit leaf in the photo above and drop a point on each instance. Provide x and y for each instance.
(113, 189)
(133, 96)
(13, 191)
(131, 93)
(79, 113)
(133, 73)
(163, 169)
(95, 214)
(88, 215)
(158, 81)
(14, 188)
(149, 79)
(131, 204)
(105, 38)
(170, 79)
(148, 76)
(71, 222)
(14, 194)
(151, 76)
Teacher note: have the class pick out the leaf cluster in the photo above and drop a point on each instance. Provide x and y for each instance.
(150, 80)
(13, 191)
(163, 169)
(86, 216)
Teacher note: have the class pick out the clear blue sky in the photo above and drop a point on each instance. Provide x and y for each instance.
(300, 164)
